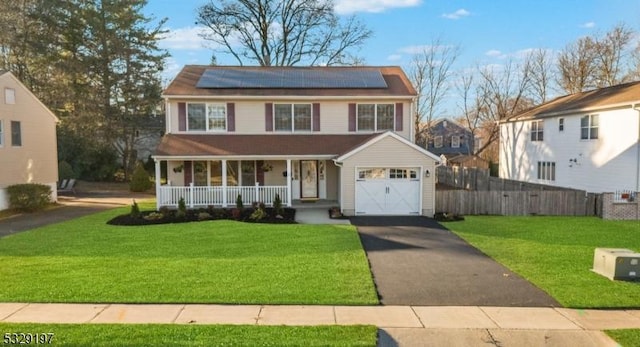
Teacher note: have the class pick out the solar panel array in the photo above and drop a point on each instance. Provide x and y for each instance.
(291, 78)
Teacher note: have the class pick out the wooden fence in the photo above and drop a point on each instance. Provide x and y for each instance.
(518, 203)
(477, 193)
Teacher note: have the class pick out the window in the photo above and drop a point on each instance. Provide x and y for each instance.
(292, 117)
(372, 174)
(455, 141)
(1, 134)
(589, 127)
(437, 142)
(403, 174)
(206, 117)
(375, 117)
(547, 170)
(561, 124)
(9, 96)
(537, 130)
(16, 134)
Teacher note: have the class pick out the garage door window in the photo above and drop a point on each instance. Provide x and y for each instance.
(372, 174)
(403, 174)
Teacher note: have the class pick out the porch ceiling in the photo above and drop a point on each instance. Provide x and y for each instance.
(259, 145)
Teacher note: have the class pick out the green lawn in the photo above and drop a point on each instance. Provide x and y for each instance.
(626, 337)
(197, 335)
(556, 254)
(86, 260)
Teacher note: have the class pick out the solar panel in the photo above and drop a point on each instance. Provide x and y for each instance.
(324, 78)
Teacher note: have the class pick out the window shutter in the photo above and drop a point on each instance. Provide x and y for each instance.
(231, 117)
(268, 117)
(260, 172)
(182, 116)
(316, 117)
(399, 116)
(188, 173)
(352, 117)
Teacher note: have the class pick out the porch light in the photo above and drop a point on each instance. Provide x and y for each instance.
(427, 173)
(284, 174)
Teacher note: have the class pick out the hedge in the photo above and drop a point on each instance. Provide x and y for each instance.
(29, 197)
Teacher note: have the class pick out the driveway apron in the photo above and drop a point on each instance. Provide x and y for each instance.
(416, 261)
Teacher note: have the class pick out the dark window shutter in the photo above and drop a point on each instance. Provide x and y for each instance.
(231, 117)
(399, 116)
(188, 173)
(316, 117)
(260, 172)
(352, 117)
(182, 116)
(268, 117)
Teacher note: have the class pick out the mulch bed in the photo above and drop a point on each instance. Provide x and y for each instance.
(205, 214)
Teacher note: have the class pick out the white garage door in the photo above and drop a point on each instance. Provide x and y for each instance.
(390, 191)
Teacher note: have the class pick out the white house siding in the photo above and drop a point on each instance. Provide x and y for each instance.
(388, 152)
(249, 114)
(607, 164)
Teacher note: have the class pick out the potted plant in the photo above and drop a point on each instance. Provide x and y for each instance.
(334, 213)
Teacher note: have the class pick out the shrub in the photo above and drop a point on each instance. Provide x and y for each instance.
(182, 209)
(65, 171)
(204, 216)
(258, 214)
(29, 197)
(135, 210)
(165, 210)
(140, 181)
(154, 216)
(277, 205)
(239, 204)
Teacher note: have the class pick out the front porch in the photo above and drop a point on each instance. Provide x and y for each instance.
(218, 182)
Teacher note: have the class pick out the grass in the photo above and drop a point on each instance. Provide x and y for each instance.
(85, 260)
(198, 335)
(625, 337)
(556, 254)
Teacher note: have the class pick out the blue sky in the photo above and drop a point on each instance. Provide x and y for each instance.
(487, 31)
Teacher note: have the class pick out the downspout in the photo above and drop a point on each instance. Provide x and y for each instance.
(339, 165)
(637, 108)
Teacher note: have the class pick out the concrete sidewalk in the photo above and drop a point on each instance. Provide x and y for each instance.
(400, 325)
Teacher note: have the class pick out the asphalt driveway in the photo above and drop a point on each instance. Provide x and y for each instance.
(416, 261)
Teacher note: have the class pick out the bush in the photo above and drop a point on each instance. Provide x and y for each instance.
(135, 210)
(29, 197)
(140, 181)
(65, 171)
(154, 216)
(277, 205)
(239, 204)
(258, 214)
(182, 209)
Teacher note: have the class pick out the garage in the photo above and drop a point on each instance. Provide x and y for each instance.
(388, 191)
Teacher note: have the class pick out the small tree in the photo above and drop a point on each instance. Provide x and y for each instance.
(140, 181)
(182, 209)
(135, 210)
(277, 205)
(239, 204)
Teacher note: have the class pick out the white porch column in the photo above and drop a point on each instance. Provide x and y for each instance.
(224, 183)
(289, 173)
(158, 178)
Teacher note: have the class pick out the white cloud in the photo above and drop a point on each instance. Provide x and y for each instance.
(373, 6)
(588, 25)
(457, 14)
(187, 38)
(494, 53)
(394, 57)
(417, 49)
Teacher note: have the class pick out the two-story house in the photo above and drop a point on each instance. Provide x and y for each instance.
(28, 146)
(342, 134)
(588, 141)
(454, 144)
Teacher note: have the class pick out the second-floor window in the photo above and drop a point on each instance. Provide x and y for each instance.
(9, 96)
(537, 130)
(375, 117)
(437, 141)
(589, 127)
(561, 124)
(292, 117)
(455, 141)
(206, 117)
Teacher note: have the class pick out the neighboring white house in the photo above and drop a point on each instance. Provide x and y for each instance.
(588, 141)
(340, 134)
(28, 147)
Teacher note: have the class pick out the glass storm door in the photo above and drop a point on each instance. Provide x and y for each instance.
(308, 179)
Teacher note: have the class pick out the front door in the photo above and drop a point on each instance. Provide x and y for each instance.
(308, 179)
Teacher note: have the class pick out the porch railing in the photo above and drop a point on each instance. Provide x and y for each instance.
(214, 196)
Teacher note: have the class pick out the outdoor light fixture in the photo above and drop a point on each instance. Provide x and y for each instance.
(427, 173)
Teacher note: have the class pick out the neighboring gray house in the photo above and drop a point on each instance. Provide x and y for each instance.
(341, 134)
(450, 139)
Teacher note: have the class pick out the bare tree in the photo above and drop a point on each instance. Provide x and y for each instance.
(611, 54)
(577, 66)
(283, 32)
(541, 74)
(430, 73)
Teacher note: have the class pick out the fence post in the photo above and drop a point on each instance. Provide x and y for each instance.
(257, 192)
